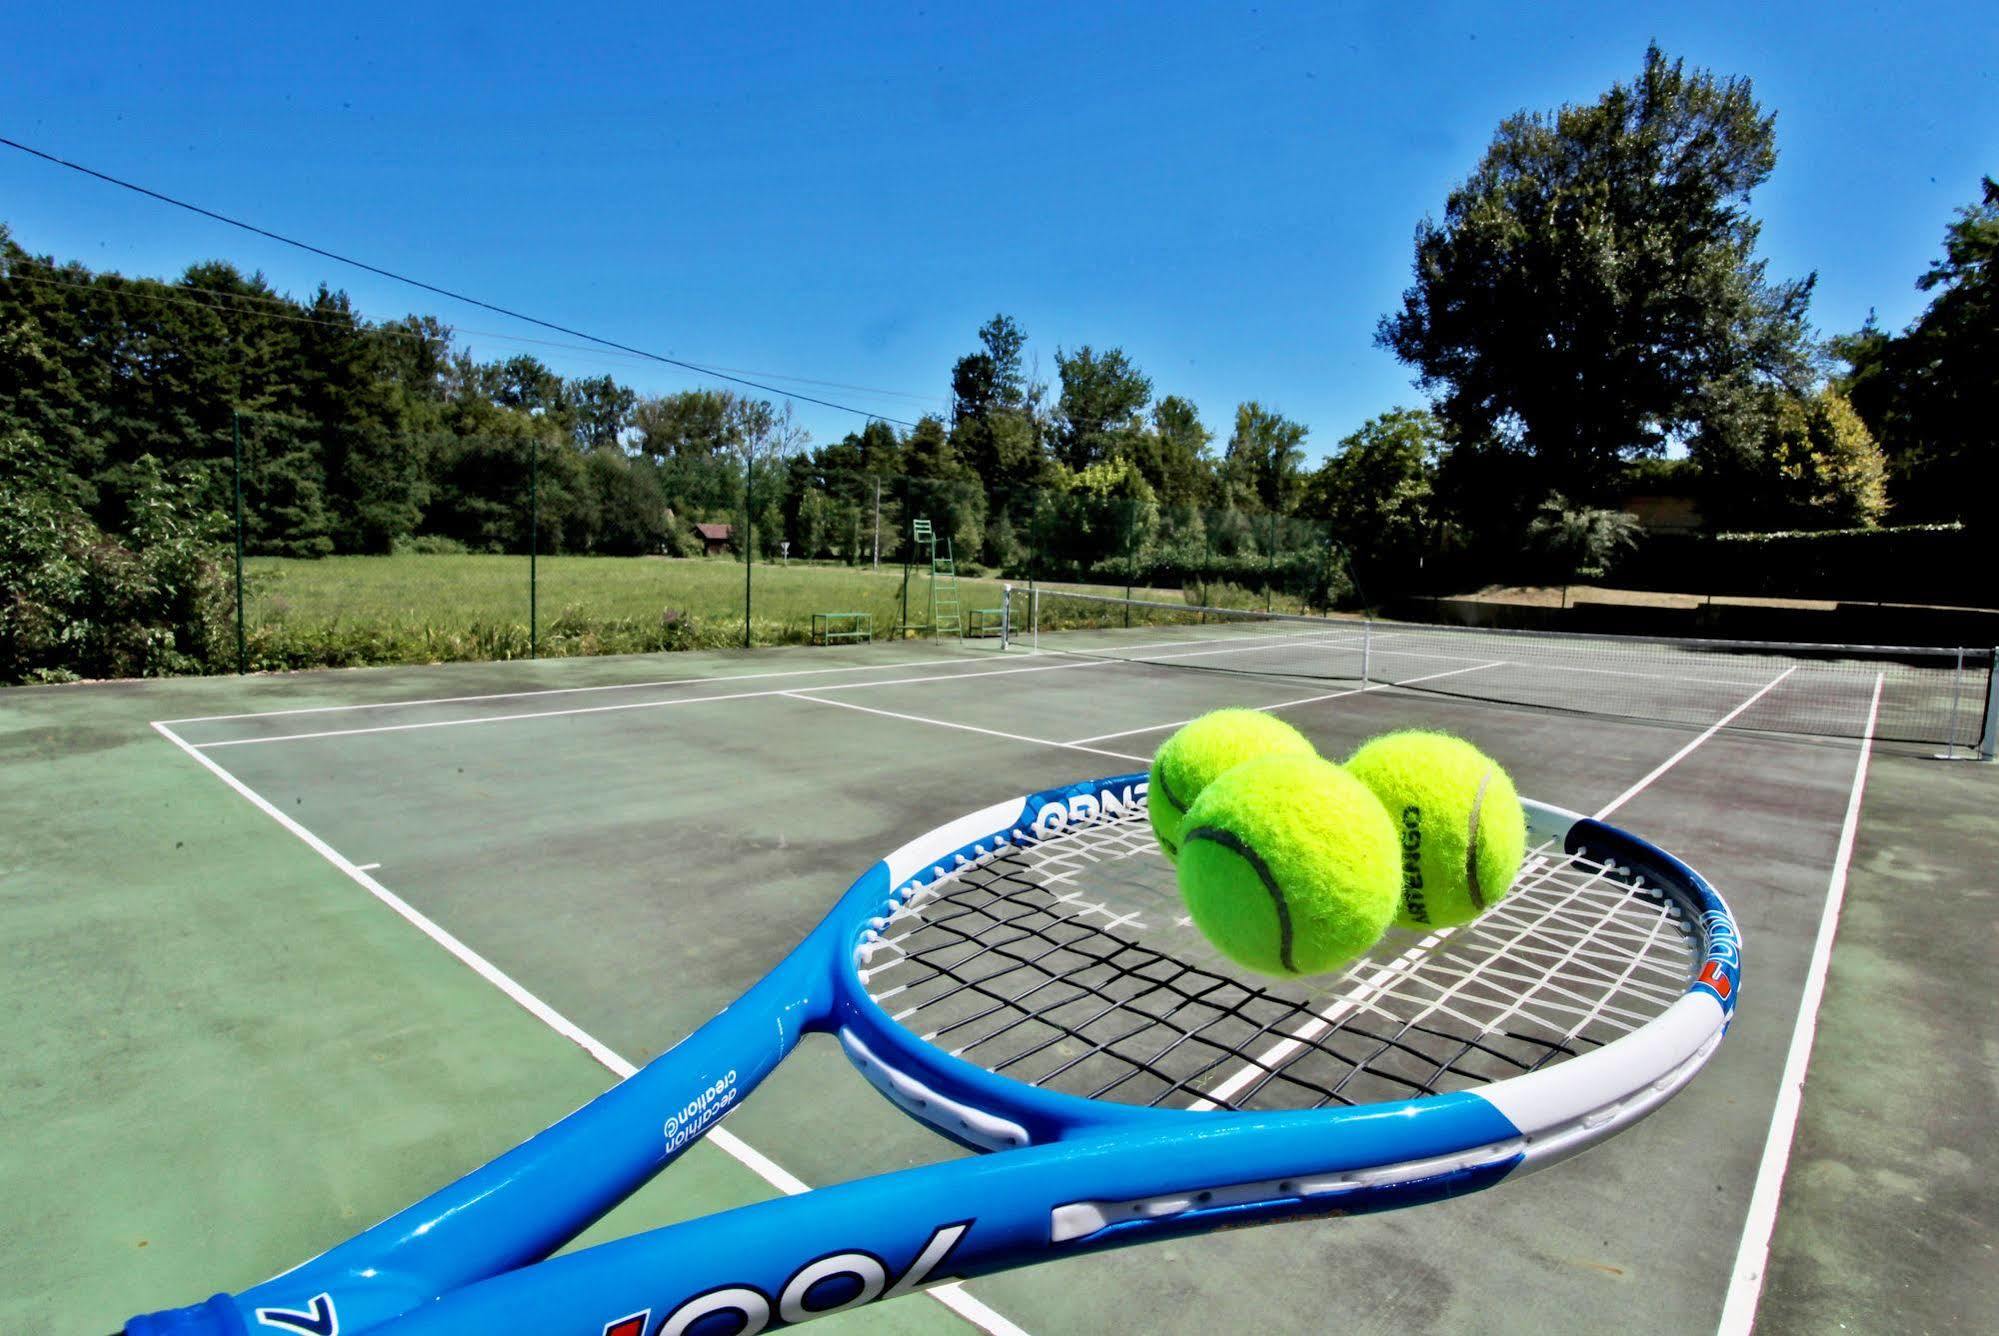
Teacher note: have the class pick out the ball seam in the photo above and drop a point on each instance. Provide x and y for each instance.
(1233, 842)
(1167, 789)
(1471, 845)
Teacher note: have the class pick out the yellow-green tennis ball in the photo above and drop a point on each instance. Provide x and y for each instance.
(1459, 823)
(1202, 752)
(1289, 865)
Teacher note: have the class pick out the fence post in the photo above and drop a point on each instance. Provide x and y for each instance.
(1130, 555)
(749, 537)
(236, 441)
(878, 525)
(534, 546)
(1270, 565)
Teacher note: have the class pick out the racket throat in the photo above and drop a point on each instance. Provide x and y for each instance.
(956, 1119)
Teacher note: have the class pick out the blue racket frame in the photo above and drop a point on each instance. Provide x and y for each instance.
(1078, 1176)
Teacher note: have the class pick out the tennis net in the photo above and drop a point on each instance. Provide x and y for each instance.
(1930, 695)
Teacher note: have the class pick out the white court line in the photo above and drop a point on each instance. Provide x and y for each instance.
(1677, 756)
(952, 1296)
(1288, 704)
(965, 728)
(1063, 664)
(559, 691)
(485, 719)
(1538, 665)
(1752, 1257)
(889, 666)
(632, 705)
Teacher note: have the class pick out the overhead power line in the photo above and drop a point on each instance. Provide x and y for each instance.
(287, 309)
(511, 314)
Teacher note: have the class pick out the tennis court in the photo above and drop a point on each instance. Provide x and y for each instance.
(292, 951)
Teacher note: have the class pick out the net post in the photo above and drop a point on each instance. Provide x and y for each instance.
(1956, 698)
(1988, 742)
(1006, 616)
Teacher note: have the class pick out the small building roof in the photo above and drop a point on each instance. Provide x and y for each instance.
(715, 531)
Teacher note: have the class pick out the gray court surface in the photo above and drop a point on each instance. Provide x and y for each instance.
(232, 1051)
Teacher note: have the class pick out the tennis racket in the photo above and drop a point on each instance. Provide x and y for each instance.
(1025, 981)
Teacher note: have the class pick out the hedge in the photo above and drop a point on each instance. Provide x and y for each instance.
(1931, 563)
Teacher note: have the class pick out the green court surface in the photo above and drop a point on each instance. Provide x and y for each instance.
(231, 1049)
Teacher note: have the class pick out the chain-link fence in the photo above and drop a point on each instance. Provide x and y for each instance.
(512, 546)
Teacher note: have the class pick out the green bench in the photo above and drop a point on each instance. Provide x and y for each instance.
(831, 627)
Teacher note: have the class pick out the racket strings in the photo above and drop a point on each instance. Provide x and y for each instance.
(1070, 964)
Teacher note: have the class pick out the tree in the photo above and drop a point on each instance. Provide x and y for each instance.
(631, 514)
(1817, 468)
(525, 383)
(1102, 397)
(1596, 276)
(928, 452)
(1579, 542)
(993, 424)
(1377, 493)
(814, 526)
(689, 436)
(375, 473)
(1263, 457)
(1186, 470)
(599, 410)
(1929, 394)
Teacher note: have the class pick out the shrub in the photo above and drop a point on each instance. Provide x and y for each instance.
(430, 545)
(1579, 542)
(80, 602)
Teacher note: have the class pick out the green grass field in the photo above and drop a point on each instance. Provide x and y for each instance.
(348, 611)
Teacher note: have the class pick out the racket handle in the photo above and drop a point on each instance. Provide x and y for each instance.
(528, 1202)
(794, 1258)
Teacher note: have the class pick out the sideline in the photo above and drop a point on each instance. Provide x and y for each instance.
(953, 1296)
(1752, 1257)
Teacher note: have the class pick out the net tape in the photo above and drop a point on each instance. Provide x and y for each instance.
(1936, 695)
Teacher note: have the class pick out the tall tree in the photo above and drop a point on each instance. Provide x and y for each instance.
(1103, 395)
(928, 453)
(1596, 277)
(599, 410)
(1185, 467)
(993, 425)
(375, 472)
(1263, 457)
(1930, 393)
(1376, 490)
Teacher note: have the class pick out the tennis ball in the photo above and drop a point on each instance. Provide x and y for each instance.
(1289, 865)
(1200, 753)
(1458, 821)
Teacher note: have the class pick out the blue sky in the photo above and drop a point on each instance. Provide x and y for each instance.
(845, 193)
